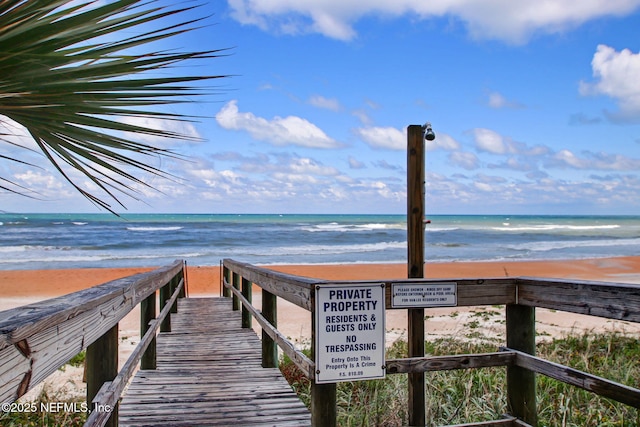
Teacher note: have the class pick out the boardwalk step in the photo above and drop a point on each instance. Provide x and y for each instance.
(209, 373)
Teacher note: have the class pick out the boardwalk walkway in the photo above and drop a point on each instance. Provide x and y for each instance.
(209, 373)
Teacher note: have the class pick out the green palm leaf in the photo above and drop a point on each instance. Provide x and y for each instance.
(71, 77)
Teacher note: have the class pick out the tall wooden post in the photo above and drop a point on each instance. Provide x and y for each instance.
(246, 293)
(174, 285)
(269, 346)
(226, 275)
(147, 314)
(521, 383)
(165, 295)
(102, 366)
(415, 252)
(324, 406)
(236, 285)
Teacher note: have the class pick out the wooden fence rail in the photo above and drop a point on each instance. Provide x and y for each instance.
(37, 339)
(520, 296)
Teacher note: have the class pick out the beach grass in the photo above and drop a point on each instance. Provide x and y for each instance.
(453, 397)
(477, 395)
(50, 409)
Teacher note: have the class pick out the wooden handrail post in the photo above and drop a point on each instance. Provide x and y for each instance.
(246, 292)
(226, 275)
(236, 284)
(415, 255)
(165, 295)
(147, 314)
(324, 408)
(174, 285)
(521, 382)
(269, 347)
(324, 411)
(102, 366)
(182, 275)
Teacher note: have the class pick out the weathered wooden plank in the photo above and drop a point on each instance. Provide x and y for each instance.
(294, 289)
(445, 363)
(593, 383)
(620, 301)
(209, 373)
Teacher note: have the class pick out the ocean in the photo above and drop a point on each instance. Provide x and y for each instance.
(52, 241)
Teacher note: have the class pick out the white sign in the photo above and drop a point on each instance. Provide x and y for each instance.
(349, 332)
(416, 295)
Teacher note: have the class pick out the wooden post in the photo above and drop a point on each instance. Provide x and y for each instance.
(226, 274)
(246, 292)
(323, 405)
(174, 285)
(182, 275)
(102, 366)
(521, 382)
(236, 284)
(165, 295)
(324, 408)
(147, 314)
(269, 347)
(415, 255)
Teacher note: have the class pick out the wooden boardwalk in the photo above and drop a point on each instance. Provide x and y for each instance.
(209, 373)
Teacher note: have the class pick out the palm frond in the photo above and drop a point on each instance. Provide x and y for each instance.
(71, 73)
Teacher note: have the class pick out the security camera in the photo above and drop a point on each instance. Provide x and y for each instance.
(428, 132)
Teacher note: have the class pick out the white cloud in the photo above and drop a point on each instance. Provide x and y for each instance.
(355, 163)
(183, 130)
(510, 21)
(15, 135)
(593, 161)
(497, 100)
(307, 166)
(442, 142)
(465, 160)
(291, 130)
(490, 141)
(326, 103)
(616, 75)
(383, 137)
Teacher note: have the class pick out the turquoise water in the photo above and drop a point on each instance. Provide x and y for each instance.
(30, 241)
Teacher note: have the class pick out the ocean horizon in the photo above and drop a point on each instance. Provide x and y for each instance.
(56, 241)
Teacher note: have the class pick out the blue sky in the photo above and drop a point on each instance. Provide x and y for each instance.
(536, 108)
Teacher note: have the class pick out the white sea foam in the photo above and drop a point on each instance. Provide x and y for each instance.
(557, 227)
(168, 228)
(343, 228)
(567, 244)
(324, 249)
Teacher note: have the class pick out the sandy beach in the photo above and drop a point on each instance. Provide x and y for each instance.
(21, 287)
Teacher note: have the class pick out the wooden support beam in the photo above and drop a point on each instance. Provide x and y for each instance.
(102, 366)
(521, 382)
(269, 347)
(147, 314)
(246, 293)
(415, 255)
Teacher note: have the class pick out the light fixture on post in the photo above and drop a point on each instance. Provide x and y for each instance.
(416, 136)
(428, 132)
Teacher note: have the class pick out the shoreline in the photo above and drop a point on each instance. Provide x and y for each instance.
(49, 283)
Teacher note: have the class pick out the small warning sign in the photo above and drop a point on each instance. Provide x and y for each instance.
(418, 295)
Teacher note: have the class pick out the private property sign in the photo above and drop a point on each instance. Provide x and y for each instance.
(349, 332)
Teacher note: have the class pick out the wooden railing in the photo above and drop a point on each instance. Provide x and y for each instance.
(520, 296)
(37, 339)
